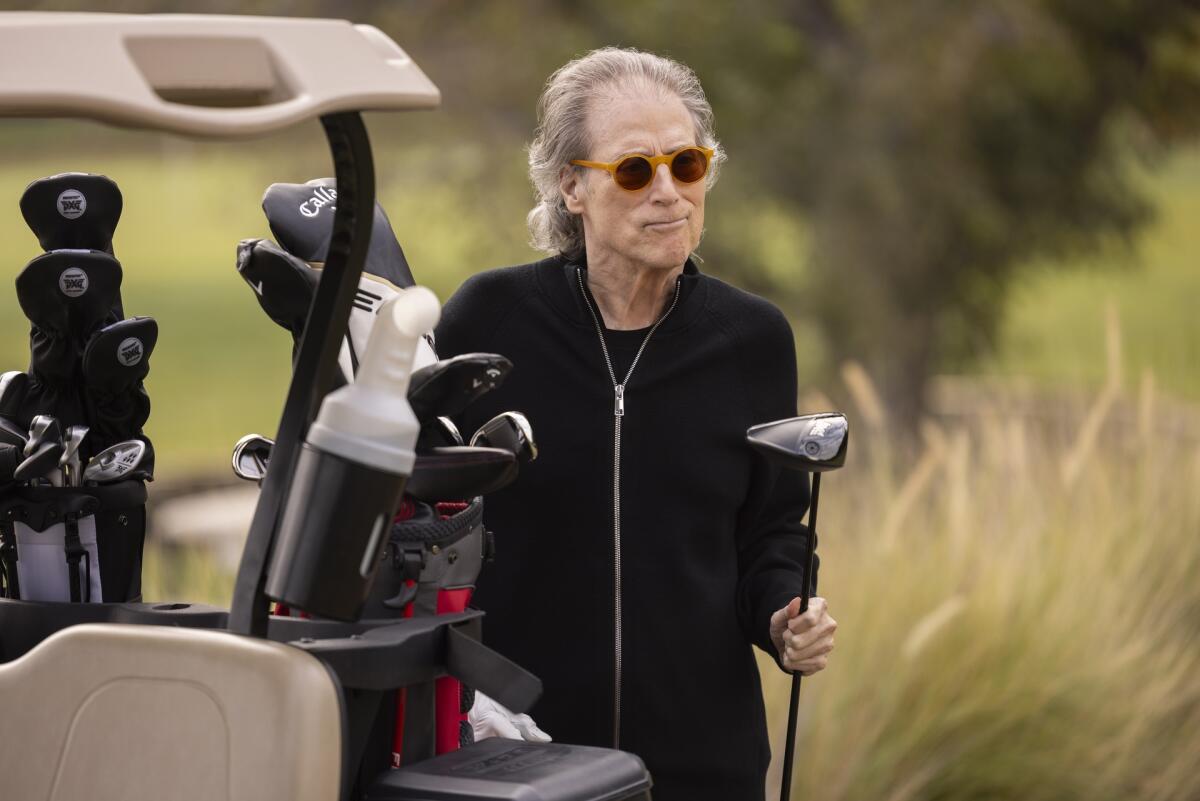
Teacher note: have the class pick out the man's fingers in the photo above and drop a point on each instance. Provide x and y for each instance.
(818, 608)
(804, 651)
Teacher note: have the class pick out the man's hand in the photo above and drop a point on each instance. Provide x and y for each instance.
(803, 641)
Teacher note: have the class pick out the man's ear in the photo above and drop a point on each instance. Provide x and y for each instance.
(572, 188)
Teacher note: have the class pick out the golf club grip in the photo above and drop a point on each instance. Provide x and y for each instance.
(785, 787)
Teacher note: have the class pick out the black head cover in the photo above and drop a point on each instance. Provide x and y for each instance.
(283, 283)
(118, 356)
(73, 210)
(70, 292)
(457, 473)
(301, 218)
(10, 458)
(13, 386)
(447, 387)
(814, 443)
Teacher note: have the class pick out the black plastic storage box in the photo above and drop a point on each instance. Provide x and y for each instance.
(512, 770)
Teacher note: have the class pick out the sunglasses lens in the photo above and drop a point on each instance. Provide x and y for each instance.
(633, 173)
(689, 165)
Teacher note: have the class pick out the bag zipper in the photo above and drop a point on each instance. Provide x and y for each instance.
(618, 413)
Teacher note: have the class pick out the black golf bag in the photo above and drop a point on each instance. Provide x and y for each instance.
(72, 506)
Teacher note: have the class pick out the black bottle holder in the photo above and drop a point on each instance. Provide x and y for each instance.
(77, 544)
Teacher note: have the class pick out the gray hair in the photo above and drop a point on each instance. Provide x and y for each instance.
(562, 133)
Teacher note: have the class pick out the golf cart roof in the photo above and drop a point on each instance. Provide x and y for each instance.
(201, 75)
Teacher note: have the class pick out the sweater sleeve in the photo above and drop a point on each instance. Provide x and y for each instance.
(771, 537)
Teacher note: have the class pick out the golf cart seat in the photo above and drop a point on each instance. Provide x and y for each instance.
(127, 712)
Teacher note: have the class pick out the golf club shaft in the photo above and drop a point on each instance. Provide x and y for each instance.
(785, 789)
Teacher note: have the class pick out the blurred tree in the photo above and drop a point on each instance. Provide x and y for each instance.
(931, 148)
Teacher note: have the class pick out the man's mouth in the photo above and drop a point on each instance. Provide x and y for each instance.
(669, 225)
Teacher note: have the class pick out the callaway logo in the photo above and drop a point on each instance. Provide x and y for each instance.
(323, 196)
(73, 282)
(130, 351)
(72, 204)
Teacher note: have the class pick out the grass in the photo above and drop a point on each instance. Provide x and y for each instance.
(1017, 609)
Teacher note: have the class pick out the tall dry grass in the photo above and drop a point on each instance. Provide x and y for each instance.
(1019, 607)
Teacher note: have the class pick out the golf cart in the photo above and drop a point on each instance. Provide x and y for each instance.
(131, 700)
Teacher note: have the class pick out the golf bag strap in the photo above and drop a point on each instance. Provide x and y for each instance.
(494, 675)
(74, 552)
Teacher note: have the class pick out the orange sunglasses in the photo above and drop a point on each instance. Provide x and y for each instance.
(688, 165)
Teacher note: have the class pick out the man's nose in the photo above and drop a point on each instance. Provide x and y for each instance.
(663, 188)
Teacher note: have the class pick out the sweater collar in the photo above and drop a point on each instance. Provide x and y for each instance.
(558, 277)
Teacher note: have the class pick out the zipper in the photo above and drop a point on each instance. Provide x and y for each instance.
(618, 414)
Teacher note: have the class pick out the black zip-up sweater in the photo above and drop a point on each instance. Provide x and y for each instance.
(711, 541)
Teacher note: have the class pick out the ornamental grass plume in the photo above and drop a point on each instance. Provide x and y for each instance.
(1018, 608)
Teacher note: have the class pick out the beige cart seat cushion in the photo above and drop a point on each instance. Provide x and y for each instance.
(126, 713)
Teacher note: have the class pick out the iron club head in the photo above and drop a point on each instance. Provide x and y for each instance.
(251, 455)
(115, 463)
(510, 431)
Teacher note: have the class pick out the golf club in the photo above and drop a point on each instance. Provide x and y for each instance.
(251, 455)
(9, 461)
(13, 434)
(43, 463)
(70, 460)
(510, 431)
(42, 428)
(116, 463)
(440, 432)
(813, 443)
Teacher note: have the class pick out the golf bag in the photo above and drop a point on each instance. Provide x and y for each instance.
(75, 539)
(435, 550)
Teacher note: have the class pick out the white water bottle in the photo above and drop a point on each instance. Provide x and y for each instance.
(351, 471)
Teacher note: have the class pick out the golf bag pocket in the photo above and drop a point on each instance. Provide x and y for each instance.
(73, 544)
(57, 564)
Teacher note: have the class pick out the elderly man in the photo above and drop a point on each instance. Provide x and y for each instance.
(648, 547)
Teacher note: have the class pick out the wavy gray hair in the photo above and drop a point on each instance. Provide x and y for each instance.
(562, 133)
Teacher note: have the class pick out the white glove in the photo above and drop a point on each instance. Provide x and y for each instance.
(489, 718)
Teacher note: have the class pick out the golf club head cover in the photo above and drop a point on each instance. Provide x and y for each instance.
(67, 295)
(285, 284)
(301, 218)
(73, 210)
(115, 362)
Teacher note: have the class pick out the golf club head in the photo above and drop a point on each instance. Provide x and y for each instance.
(460, 472)
(814, 443)
(440, 432)
(71, 441)
(117, 463)
(13, 434)
(447, 387)
(251, 455)
(42, 428)
(41, 463)
(10, 459)
(510, 431)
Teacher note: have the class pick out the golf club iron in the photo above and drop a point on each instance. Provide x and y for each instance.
(42, 464)
(115, 463)
(813, 443)
(510, 431)
(70, 460)
(251, 455)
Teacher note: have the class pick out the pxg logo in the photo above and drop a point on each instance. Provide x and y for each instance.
(72, 204)
(130, 351)
(73, 282)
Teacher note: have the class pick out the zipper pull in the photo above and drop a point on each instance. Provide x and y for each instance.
(620, 403)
